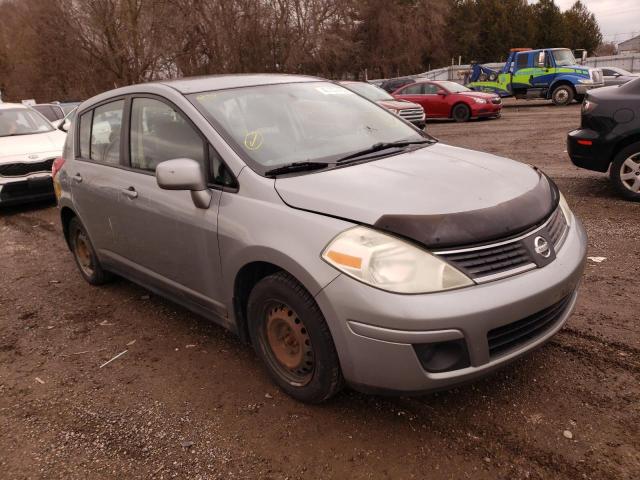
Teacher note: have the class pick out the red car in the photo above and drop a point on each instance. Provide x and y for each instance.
(409, 111)
(443, 99)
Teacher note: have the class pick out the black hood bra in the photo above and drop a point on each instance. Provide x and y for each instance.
(498, 222)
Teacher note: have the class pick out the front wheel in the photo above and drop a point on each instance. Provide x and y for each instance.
(291, 336)
(461, 113)
(562, 95)
(625, 172)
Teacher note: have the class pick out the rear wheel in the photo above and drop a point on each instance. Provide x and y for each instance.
(461, 113)
(293, 340)
(562, 95)
(625, 172)
(85, 255)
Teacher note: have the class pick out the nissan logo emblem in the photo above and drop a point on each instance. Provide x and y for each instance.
(541, 247)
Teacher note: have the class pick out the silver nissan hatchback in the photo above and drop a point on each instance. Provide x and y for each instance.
(344, 244)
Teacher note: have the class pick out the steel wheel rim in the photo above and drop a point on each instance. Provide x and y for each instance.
(287, 344)
(460, 113)
(562, 95)
(630, 173)
(83, 253)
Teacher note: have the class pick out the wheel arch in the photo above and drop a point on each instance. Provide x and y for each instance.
(460, 102)
(624, 143)
(564, 80)
(66, 214)
(251, 272)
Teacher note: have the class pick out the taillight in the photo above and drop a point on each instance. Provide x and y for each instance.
(57, 165)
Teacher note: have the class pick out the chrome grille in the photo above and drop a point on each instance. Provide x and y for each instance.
(21, 169)
(508, 257)
(507, 337)
(412, 114)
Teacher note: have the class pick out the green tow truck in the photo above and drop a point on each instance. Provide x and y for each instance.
(549, 73)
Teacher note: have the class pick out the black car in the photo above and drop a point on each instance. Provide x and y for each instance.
(609, 136)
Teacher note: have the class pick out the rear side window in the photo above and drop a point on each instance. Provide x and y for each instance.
(105, 133)
(415, 89)
(159, 133)
(85, 134)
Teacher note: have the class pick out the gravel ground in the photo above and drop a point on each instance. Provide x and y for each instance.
(188, 400)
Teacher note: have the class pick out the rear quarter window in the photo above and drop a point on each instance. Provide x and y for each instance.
(85, 134)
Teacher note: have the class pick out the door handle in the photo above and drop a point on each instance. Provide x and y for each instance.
(77, 178)
(130, 192)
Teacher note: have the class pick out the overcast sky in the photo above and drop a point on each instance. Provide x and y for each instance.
(619, 20)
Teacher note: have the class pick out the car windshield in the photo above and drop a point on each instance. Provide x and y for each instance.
(564, 57)
(275, 125)
(22, 121)
(453, 87)
(622, 71)
(369, 91)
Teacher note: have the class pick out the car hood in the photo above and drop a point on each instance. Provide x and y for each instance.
(439, 196)
(398, 104)
(24, 146)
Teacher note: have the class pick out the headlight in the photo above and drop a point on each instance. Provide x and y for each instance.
(585, 80)
(391, 264)
(479, 100)
(566, 211)
(393, 110)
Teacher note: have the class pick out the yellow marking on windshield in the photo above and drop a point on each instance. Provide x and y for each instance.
(253, 140)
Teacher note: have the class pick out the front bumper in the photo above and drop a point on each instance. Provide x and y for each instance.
(375, 331)
(24, 190)
(587, 149)
(480, 110)
(582, 88)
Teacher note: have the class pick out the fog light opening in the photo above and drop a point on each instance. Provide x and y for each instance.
(443, 356)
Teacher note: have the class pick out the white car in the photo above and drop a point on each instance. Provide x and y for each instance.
(29, 144)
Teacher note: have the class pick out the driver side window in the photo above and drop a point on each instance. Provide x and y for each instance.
(160, 133)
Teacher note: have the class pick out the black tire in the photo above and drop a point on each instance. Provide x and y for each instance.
(627, 162)
(85, 256)
(461, 113)
(562, 95)
(579, 98)
(318, 376)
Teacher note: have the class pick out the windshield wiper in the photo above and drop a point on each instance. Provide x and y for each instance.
(296, 167)
(378, 147)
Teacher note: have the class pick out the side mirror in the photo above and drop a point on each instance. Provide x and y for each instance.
(65, 126)
(184, 174)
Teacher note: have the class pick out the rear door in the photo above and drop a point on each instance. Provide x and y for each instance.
(414, 93)
(163, 239)
(93, 172)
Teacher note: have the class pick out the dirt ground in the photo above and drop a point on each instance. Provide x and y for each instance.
(188, 400)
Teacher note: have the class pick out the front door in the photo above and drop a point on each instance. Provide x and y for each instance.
(163, 238)
(438, 102)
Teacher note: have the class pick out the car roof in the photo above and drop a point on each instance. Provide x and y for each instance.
(222, 82)
(6, 106)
